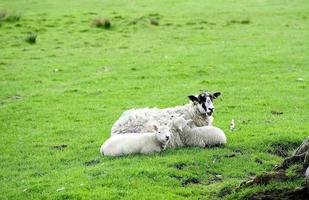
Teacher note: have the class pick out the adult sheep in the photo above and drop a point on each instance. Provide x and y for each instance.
(199, 110)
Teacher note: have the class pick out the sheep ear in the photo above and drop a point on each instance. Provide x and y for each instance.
(155, 127)
(193, 98)
(216, 94)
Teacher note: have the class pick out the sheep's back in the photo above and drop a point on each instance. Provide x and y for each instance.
(142, 120)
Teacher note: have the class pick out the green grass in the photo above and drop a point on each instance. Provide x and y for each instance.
(74, 82)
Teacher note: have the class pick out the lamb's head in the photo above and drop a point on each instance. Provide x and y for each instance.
(163, 134)
(179, 123)
(203, 102)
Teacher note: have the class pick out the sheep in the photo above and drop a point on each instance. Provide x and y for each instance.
(132, 143)
(198, 136)
(199, 110)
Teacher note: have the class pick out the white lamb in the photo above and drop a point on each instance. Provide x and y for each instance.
(198, 136)
(132, 143)
(199, 110)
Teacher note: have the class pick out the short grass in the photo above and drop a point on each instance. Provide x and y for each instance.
(76, 79)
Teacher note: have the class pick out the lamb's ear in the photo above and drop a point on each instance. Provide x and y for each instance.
(155, 127)
(216, 94)
(193, 98)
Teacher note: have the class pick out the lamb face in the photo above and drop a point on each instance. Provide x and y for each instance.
(163, 134)
(179, 123)
(203, 103)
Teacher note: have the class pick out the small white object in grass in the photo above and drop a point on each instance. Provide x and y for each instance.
(81, 184)
(218, 176)
(232, 124)
(60, 189)
(56, 70)
(300, 79)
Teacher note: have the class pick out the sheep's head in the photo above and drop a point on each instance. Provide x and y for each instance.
(163, 133)
(179, 123)
(204, 102)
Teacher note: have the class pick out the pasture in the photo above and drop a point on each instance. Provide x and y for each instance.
(66, 76)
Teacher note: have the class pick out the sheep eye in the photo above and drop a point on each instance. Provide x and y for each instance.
(159, 132)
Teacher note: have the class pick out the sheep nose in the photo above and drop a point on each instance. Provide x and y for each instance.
(211, 109)
(167, 137)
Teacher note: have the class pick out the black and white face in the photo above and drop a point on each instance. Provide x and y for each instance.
(204, 102)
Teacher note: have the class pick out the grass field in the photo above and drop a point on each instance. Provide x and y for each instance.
(70, 85)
